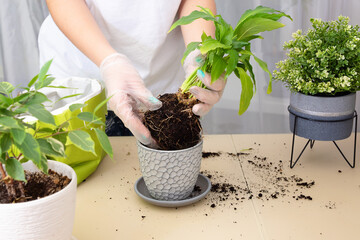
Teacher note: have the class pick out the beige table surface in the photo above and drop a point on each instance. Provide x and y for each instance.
(318, 199)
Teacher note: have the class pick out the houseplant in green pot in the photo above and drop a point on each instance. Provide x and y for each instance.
(171, 172)
(322, 73)
(38, 195)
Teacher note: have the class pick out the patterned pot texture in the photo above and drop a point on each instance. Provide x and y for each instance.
(322, 118)
(170, 175)
(51, 217)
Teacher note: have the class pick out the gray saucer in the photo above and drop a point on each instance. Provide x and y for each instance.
(203, 182)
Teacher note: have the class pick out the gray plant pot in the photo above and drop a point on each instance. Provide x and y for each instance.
(322, 118)
(170, 175)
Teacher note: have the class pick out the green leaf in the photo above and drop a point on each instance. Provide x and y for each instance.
(232, 62)
(5, 101)
(238, 45)
(51, 147)
(15, 169)
(43, 164)
(33, 80)
(82, 140)
(43, 115)
(246, 90)
(44, 83)
(255, 26)
(69, 96)
(264, 66)
(218, 68)
(37, 98)
(101, 104)
(30, 149)
(190, 47)
(6, 88)
(89, 117)
(76, 106)
(9, 122)
(18, 135)
(248, 39)
(5, 143)
(190, 18)
(211, 44)
(104, 142)
(43, 71)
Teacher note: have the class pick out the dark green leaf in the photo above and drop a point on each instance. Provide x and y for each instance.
(264, 66)
(218, 68)
(104, 142)
(61, 137)
(43, 115)
(82, 140)
(190, 47)
(15, 169)
(211, 44)
(18, 135)
(190, 18)
(30, 149)
(246, 90)
(248, 39)
(6, 88)
(9, 122)
(51, 147)
(76, 106)
(254, 26)
(232, 62)
(5, 112)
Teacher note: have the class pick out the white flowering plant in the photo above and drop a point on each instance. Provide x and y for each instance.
(324, 61)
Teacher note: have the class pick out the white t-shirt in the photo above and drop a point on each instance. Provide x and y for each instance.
(136, 28)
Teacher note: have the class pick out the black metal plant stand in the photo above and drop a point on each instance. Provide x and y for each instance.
(312, 142)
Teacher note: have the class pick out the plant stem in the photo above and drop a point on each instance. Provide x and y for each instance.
(9, 183)
(192, 80)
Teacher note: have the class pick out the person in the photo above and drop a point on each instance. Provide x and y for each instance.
(126, 44)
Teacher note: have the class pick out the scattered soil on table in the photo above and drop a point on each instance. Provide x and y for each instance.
(210, 154)
(38, 185)
(174, 126)
(269, 183)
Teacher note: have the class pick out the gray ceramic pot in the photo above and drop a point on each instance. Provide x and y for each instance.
(322, 118)
(170, 175)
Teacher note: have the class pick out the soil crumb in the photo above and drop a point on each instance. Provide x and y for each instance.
(269, 182)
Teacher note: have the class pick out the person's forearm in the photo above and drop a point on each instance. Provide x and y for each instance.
(75, 20)
(193, 31)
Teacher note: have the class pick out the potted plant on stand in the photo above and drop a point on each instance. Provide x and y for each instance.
(37, 195)
(322, 73)
(170, 173)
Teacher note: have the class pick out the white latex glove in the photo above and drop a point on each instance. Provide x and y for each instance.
(210, 96)
(129, 95)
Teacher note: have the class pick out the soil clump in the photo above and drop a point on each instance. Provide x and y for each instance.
(174, 126)
(38, 185)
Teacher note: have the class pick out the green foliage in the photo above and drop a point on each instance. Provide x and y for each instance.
(21, 141)
(230, 50)
(324, 61)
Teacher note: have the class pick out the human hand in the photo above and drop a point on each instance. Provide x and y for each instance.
(130, 97)
(214, 91)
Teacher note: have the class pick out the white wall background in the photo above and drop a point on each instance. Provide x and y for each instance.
(20, 21)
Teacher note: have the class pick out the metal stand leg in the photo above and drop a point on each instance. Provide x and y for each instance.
(312, 142)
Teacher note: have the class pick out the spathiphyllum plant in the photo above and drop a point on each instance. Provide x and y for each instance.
(230, 50)
(21, 141)
(323, 61)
